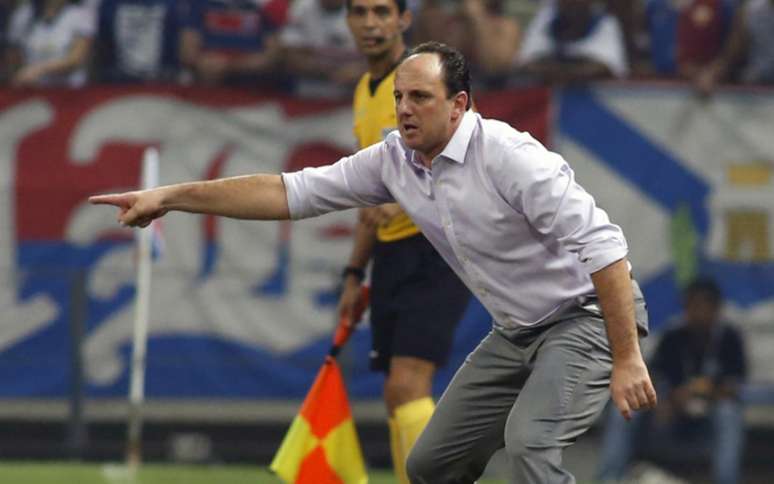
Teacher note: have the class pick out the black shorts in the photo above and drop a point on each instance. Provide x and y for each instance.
(416, 303)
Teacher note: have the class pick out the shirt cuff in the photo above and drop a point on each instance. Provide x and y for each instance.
(292, 189)
(599, 258)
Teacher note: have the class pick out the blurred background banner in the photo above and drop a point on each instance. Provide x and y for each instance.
(238, 310)
(690, 181)
(246, 310)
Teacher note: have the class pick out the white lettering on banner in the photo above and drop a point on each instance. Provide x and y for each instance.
(705, 197)
(223, 304)
(20, 318)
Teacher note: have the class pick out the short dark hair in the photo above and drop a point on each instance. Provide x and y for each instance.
(401, 4)
(456, 71)
(704, 287)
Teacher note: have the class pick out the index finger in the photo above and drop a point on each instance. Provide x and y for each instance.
(111, 199)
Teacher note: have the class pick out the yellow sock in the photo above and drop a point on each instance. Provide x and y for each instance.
(398, 456)
(410, 419)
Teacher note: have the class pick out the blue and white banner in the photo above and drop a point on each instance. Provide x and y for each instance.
(691, 181)
(246, 310)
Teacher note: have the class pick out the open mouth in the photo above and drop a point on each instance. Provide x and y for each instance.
(409, 128)
(372, 41)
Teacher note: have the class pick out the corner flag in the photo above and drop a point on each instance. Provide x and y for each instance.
(322, 446)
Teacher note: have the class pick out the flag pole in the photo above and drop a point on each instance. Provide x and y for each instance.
(346, 327)
(150, 175)
(303, 455)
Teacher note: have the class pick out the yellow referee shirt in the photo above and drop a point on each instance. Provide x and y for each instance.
(374, 117)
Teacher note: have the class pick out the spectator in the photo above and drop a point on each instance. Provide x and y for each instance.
(137, 40)
(319, 50)
(437, 20)
(629, 15)
(751, 41)
(684, 37)
(699, 367)
(6, 7)
(573, 41)
(494, 37)
(479, 29)
(50, 43)
(232, 41)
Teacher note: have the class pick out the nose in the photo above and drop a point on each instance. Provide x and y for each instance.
(370, 20)
(402, 108)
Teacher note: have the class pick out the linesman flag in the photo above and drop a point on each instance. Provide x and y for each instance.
(321, 446)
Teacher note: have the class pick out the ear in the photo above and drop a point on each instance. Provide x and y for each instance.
(405, 20)
(460, 104)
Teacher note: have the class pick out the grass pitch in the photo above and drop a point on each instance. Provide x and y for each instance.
(64, 473)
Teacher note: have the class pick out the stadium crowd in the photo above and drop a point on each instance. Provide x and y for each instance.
(304, 46)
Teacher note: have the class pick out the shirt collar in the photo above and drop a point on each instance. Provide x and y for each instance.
(456, 147)
(458, 144)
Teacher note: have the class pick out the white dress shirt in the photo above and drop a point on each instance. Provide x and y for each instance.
(504, 212)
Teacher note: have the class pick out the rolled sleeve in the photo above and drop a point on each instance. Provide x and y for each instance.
(545, 191)
(354, 181)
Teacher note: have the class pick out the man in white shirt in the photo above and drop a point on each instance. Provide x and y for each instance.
(573, 41)
(52, 42)
(508, 217)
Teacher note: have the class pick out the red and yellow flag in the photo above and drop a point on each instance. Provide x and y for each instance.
(321, 446)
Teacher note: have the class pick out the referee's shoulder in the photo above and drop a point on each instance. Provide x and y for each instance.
(364, 77)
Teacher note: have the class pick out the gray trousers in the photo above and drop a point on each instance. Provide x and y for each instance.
(533, 394)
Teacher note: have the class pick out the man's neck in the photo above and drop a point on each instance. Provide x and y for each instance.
(379, 67)
(428, 157)
(426, 160)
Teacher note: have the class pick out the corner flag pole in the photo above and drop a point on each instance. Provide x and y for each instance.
(150, 176)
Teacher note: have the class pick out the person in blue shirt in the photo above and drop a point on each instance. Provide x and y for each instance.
(685, 36)
(232, 41)
(699, 367)
(5, 13)
(137, 41)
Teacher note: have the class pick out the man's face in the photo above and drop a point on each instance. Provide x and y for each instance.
(377, 26)
(701, 312)
(426, 116)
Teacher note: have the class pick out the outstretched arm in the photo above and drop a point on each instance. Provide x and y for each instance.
(630, 385)
(258, 197)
